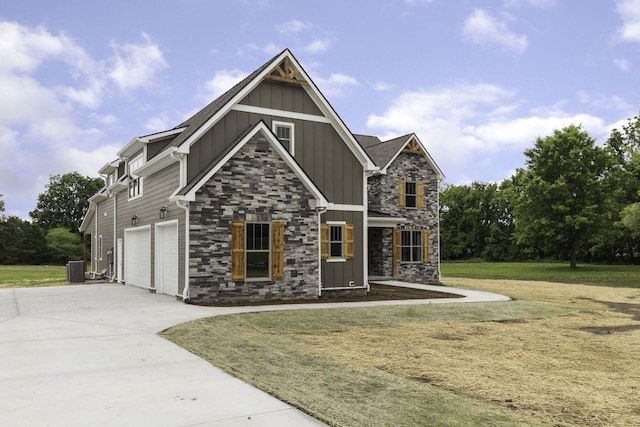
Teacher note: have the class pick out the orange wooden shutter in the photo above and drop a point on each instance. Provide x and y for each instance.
(401, 194)
(237, 251)
(348, 241)
(324, 241)
(425, 245)
(420, 190)
(396, 251)
(277, 250)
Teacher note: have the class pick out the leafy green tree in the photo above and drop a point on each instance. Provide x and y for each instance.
(21, 242)
(476, 222)
(63, 245)
(1, 204)
(65, 201)
(561, 199)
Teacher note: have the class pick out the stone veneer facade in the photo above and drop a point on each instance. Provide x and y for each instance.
(383, 197)
(256, 185)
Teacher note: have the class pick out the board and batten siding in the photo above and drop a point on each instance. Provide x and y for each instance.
(321, 152)
(338, 274)
(155, 193)
(282, 96)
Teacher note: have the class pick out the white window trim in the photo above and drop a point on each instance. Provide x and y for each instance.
(407, 194)
(292, 143)
(335, 224)
(246, 251)
(411, 246)
(133, 176)
(100, 247)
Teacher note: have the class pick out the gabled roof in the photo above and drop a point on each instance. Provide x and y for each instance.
(384, 153)
(188, 193)
(205, 119)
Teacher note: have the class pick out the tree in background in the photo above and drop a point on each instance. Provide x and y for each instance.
(65, 202)
(1, 204)
(476, 222)
(21, 242)
(560, 200)
(63, 245)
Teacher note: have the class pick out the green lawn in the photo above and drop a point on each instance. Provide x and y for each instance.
(590, 274)
(26, 276)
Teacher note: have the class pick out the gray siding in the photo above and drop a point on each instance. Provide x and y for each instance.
(156, 190)
(282, 96)
(320, 151)
(338, 274)
(104, 216)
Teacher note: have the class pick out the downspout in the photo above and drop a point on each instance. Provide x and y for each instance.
(185, 206)
(94, 242)
(438, 216)
(115, 236)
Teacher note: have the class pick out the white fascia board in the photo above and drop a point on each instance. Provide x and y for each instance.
(131, 148)
(154, 136)
(430, 160)
(321, 201)
(109, 167)
(184, 148)
(87, 217)
(158, 163)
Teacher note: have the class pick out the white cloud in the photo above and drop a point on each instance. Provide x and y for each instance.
(598, 100)
(335, 84)
(222, 82)
(135, 64)
(382, 86)
(292, 26)
(317, 46)
(622, 63)
(480, 27)
(470, 129)
(629, 13)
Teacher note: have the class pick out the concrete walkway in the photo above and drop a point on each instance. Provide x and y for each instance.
(90, 355)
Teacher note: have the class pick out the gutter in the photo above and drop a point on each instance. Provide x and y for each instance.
(320, 211)
(185, 205)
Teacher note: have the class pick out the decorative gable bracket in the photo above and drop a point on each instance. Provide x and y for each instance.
(286, 72)
(413, 147)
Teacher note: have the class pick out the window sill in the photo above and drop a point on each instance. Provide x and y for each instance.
(336, 260)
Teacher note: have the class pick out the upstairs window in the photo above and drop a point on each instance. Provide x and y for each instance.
(285, 134)
(411, 194)
(135, 182)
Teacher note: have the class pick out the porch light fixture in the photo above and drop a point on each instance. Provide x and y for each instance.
(163, 212)
(134, 220)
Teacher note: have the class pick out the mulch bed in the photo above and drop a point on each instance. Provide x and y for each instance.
(377, 293)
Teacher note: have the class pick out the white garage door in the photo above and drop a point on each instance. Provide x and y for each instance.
(137, 257)
(166, 277)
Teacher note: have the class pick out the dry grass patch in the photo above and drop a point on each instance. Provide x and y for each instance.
(558, 355)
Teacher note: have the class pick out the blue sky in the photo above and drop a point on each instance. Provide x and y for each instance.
(478, 81)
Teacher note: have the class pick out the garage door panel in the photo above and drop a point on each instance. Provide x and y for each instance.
(137, 256)
(167, 258)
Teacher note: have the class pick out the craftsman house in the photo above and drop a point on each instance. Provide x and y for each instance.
(265, 194)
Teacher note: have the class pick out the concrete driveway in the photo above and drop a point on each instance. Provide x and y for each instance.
(90, 355)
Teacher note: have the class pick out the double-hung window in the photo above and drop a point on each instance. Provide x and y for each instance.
(411, 245)
(135, 182)
(258, 250)
(285, 133)
(337, 241)
(411, 194)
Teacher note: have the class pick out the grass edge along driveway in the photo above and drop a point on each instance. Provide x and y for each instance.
(558, 355)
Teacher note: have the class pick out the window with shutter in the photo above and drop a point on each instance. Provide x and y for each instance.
(401, 194)
(258, 250)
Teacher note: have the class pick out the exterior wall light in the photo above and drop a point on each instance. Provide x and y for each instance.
(134, 220)
(163, 212)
